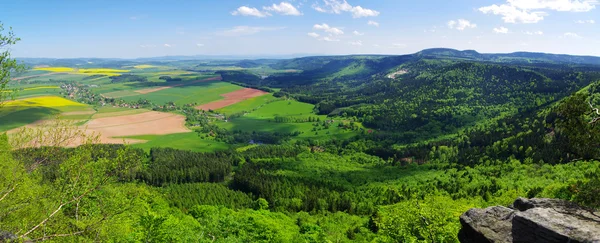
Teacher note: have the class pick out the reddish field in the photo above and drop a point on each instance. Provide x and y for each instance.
(232, 98)
(150, 90)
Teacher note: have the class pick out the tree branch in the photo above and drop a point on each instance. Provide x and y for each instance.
(8, 192)
(594, 110)
(58, 210)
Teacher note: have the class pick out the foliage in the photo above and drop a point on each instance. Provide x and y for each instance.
(8, 65)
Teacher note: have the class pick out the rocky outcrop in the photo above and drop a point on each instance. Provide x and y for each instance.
(531, 220)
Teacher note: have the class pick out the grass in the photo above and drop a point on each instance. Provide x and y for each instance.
(283, 108)
(38, 91)
(11, 119)
(186, 141)
(247, 105)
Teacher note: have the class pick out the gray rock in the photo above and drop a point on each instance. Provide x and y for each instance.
(531, 220)
(492, 224)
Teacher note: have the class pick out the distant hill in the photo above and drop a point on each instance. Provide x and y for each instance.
(516, 57)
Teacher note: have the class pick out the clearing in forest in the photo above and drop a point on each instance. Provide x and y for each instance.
(232, 98)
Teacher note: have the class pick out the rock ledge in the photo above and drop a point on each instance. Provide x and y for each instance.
(531, 220)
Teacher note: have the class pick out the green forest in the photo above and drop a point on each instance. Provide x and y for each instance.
(452, 131)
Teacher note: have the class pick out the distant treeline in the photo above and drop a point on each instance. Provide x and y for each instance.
(244, 79)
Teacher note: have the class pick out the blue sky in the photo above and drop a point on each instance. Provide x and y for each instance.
(129, 29)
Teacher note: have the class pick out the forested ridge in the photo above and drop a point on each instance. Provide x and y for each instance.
(450, 132)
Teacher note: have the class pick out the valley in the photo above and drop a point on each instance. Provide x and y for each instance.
(345, 148)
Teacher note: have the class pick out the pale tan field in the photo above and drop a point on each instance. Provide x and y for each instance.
(148, 123)
(109, 129)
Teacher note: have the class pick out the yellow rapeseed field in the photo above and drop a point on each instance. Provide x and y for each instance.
(84, 71)
(43, 101)
(143, 66)
(55, 69)
(41, 87)
(102, 71)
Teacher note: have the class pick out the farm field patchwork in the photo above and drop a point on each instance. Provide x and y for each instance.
(199, 93)
(22, 112)
(247, 105)
(232, 98)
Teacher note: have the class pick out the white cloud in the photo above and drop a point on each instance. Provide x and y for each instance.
(532, 11)
(461, 24)
(373, 23)
(147, 46)
(328, 29)
(399, 45)
(284, 8)
(313, 35)
(501, 30)
(556, 5)
(571, 35)
(357, 33)
(330, 39)
(355, 43)
(134, 18)
(359, 12)
(511, 14)
(199, 45)
(247, 30)
(340, 6)
(589, 21)
(167, 45)
(248, 11)
(534, 32)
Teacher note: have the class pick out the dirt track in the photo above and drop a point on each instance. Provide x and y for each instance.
(232, 98)
(151, 90)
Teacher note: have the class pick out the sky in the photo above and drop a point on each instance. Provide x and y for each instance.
(149, 28)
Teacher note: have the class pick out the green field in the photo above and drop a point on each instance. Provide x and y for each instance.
(262, 120)
(247, 105)
(200, 93)
(186, 141)
(15, 117)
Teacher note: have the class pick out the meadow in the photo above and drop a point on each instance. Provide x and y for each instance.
(297, 114)
(185, 141)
